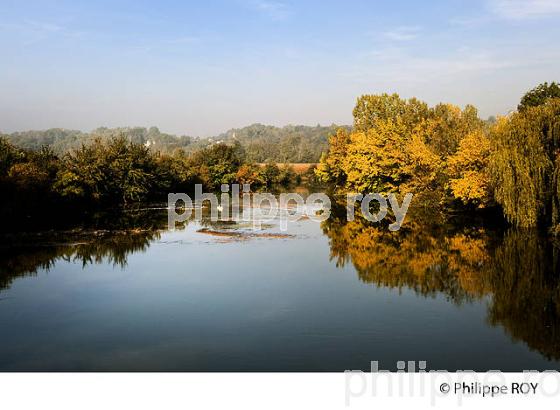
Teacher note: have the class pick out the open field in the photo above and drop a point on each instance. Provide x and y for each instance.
(299, 168)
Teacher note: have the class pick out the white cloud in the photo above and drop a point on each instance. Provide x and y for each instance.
(403, 33)
(393, 65)
(524, 9)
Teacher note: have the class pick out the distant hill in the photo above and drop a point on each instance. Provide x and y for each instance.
(259, 143)
(62, 140)
(292, 143)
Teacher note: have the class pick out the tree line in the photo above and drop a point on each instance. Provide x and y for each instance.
(118, 172)
(447, 156)
(292, 143)
(451, 159)
(261, 143)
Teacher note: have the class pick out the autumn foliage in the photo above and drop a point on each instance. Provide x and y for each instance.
(405, 146)
(451, 159)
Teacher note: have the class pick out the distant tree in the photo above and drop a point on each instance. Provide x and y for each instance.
(249, 174)
(216, 165)
(539, 95)
(269, 174)
(289, 144)
(287, 176)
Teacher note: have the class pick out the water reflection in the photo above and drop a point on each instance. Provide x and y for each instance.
(526, 292)
(516, 270)
(104, 238)
(109, 247)
(108, 237)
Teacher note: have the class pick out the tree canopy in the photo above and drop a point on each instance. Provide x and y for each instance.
(403, 146)
(525, 164)
(539, 95)
(261, 143)
(449, 157)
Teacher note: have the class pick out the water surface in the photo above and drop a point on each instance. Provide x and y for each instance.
(327, 297)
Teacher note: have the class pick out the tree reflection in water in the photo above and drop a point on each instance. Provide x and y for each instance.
(104, 238)
(108, 238)
(516, 270)
(110, 247)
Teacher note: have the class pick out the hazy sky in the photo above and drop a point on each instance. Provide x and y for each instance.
(199, 68)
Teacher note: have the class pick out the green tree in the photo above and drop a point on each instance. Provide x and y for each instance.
(9, 155)
(117, 172)
(217, 164)
(525, 165)
(539, 95)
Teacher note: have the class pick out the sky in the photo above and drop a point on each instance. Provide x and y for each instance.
(201, 67)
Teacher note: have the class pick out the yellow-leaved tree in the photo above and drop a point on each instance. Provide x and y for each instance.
(404, 146)
(330, 168)
(468, 169)
(374, 160)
